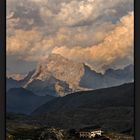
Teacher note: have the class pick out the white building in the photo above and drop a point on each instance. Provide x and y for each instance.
(90, 132)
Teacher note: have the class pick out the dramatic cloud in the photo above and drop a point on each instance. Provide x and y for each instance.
(33, 45)
(28, 45)
(97, 32)
(116, 47)
(83, 12)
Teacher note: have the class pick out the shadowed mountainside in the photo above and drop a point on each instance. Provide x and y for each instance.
(20, 100)
(111, 108)
(101, 98)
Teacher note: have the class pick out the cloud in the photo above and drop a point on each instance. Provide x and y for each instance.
(36, 28)
(116, 46)
(33, 45)
(75, 11)
(55, 14)
(29, 45)
(87, 11)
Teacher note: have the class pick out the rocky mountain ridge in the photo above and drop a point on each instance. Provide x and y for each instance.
(59, 76)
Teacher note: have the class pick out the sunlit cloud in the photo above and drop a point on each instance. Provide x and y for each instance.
(117, 45)
(96, 32)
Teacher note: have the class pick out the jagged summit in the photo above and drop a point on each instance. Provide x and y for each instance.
(57, 75)
(55, 58)
(61, 68)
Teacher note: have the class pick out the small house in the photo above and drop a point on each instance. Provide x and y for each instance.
(90, 132)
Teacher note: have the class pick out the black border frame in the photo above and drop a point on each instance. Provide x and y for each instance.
(136, 69)
(3, 69)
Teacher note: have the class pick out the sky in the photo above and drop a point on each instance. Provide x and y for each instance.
(96, 32)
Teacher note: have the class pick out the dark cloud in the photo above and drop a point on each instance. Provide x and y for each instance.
(28, 15)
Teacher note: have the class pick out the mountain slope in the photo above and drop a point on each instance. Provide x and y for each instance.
(27, 78)
(94, 80)
(21, 100)
(59, 76)
(11, 83)
(101, 98)
(110, 108)
(50, 86)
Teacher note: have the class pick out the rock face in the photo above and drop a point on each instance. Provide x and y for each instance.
(59, 76)
(60, 68)
(50, 86)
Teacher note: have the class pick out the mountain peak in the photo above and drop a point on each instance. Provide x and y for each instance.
(56, 59)
(68, 75)
(61, 68)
